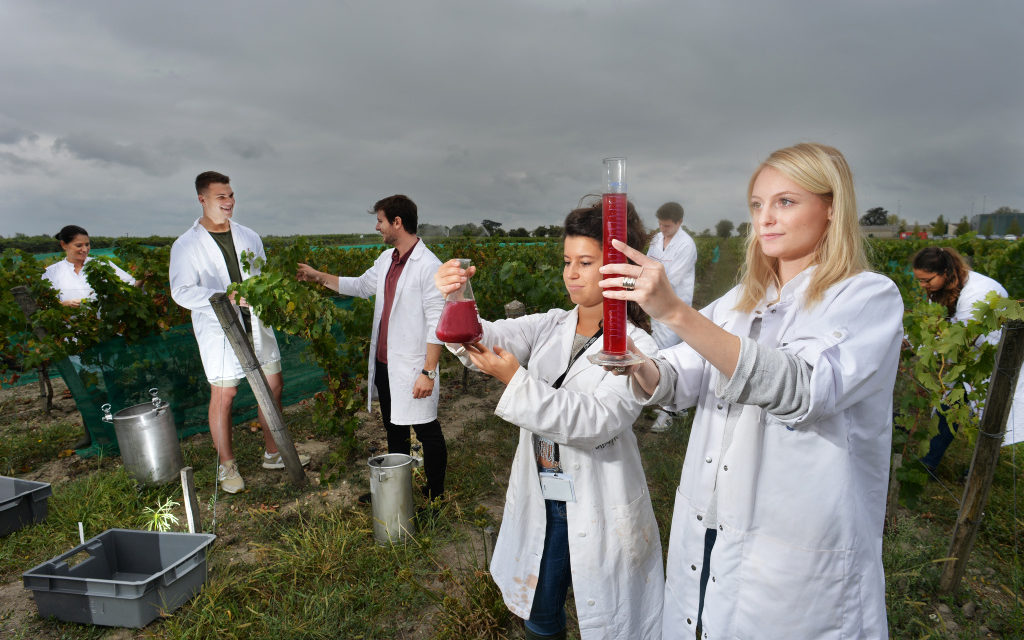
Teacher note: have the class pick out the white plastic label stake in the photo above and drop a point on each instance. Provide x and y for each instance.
(81, 533)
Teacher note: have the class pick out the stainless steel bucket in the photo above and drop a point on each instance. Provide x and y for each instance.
(148, 441)
(391, 497)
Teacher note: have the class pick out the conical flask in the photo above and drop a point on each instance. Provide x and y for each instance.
(459, 321)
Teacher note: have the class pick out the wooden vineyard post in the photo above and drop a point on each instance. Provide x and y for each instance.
(986, 453)
(894, 492)
(258, 382)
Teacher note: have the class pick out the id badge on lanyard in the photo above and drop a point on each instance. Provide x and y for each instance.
(557, 486)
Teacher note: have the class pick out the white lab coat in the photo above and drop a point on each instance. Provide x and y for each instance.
(614, 546)
(413, 323)
(680, 259)
(75, 286)
(800, 502)
(975, 289)
(197, 271)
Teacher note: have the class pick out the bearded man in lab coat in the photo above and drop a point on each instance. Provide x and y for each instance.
(404, 349)
(204, 261)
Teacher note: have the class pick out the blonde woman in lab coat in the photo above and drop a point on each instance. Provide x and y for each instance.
(777, 527)
(593, 524)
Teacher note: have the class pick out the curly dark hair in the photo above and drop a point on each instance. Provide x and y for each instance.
(586, 221)
(949, 264)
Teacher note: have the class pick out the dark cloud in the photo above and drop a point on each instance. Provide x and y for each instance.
(248, 149)
(88, 147)
(19, 165)
(14, 135)
(499, 110)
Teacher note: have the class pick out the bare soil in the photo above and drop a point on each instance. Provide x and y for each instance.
(23, 412)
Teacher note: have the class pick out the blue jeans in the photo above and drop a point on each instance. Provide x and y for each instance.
(548, 614)
(940, 442)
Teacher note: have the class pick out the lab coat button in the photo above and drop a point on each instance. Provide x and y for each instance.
(583, 534)
(591, 602)
(700, 517)
(693, 567)
(725, 467)
(576, 466)
(689, 621)
(707, 459)
(719, 405)
(836, 334)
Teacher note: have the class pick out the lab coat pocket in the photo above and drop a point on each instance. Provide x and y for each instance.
(634, 533)
(791, 592)
(810, 348)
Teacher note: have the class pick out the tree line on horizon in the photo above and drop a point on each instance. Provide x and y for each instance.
(491, 228)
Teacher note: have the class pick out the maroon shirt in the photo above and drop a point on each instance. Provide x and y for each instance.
(390, 284)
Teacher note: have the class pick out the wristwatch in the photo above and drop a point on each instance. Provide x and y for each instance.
(429, 374)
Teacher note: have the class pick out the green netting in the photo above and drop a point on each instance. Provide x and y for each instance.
(122, 374)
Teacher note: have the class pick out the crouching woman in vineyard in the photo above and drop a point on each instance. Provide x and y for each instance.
(944, 274)
(777, 527)
(577, 489)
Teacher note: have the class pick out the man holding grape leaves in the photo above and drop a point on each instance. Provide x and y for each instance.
(404, 349)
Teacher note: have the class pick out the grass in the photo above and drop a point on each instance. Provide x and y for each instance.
(21, 451)
(291, 562)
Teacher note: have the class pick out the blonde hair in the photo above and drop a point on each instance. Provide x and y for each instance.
(822, 170)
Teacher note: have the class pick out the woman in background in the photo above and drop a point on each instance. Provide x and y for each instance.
(68, 276)
(948, 280)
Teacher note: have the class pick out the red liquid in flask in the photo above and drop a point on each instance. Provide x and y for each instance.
(459, 322)
(614, 214)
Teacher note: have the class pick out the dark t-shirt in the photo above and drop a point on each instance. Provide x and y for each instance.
(227, 248)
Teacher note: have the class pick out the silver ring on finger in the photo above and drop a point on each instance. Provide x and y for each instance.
(620, 369)
(628, 283)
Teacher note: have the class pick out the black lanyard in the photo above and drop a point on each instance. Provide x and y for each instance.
(576, 356)
(555, 457)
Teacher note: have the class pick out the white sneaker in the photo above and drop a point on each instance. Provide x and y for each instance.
(229, 478)
(662, 423)
(274, 460)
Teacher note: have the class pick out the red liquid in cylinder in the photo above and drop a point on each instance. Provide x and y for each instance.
(614, 214)
(459, 322)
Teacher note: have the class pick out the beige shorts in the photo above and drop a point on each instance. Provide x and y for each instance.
(268, 369)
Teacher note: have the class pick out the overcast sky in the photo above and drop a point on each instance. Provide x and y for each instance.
(497, 110)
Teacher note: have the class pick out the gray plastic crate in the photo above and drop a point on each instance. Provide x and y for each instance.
(22, 502)
(129, 578)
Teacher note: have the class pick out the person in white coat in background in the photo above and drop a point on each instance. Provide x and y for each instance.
(577, 508)
(675, 249)
(67, 277)
(777, 526)
(205, 260)
(404, 350)
(948, 280)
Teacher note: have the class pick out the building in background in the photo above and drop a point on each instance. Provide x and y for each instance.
(999, 223)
